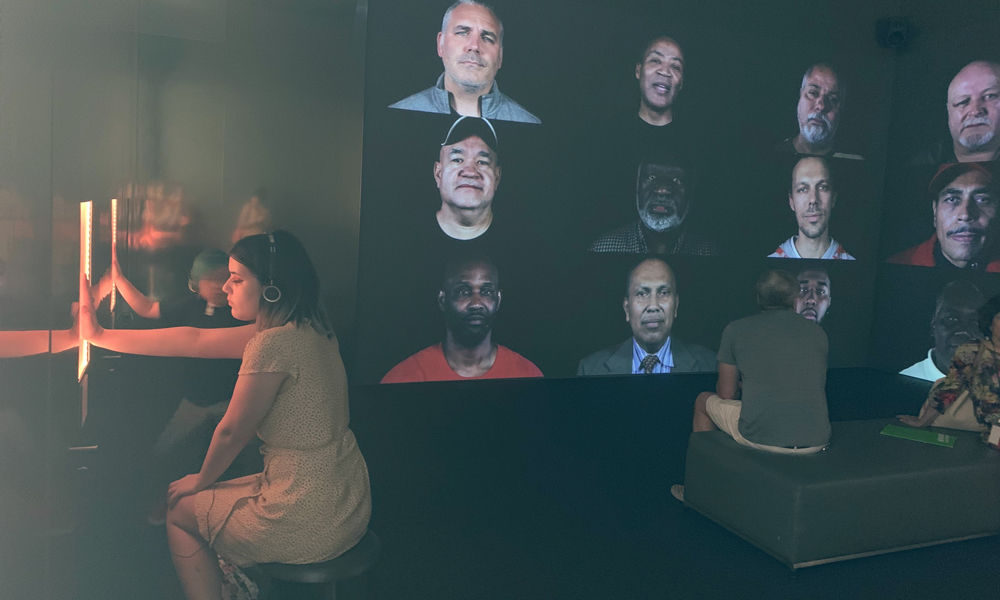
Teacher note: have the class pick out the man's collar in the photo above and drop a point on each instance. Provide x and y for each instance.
(664, 354)
(490, 97)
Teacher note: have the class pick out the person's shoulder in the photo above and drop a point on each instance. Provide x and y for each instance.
(703, 359)
(413, 368)
(782, 251)
(920, 255)
(516, 362)
(422, 101)
(618, 240)
(594, 363)
(510, 110)
(699, 244)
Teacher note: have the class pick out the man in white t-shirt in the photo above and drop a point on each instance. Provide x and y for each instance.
(954, 323)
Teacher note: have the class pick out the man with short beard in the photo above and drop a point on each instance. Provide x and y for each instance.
(663, 200)
(470, 45)
(814, 294)
(821, 99)
(964, 204)
(469, 299)
(811, 197)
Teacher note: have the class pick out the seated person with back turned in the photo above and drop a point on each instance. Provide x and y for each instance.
(663, 198)
(964, 204)
(469, 299)
(782, 359)
(955, 322)
(973, 369)
(650, 305)
(812, 196)
(470, 45)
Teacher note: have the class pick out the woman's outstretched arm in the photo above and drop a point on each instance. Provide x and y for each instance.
(174, 341)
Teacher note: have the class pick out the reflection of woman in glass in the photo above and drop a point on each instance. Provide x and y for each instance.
(314, 502)
(208, 274)
(206, 385)
(973, 369)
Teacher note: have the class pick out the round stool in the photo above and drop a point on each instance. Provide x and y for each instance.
(340, 578)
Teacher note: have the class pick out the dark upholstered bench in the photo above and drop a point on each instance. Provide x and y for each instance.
(866, 494)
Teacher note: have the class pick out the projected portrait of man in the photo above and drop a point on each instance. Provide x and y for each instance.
(955, 322)
(470, 45)
(650, 305)
(469, 300)
(467, 174)
(814, 294)
(664, 194)
(821, 100)
(811, 197)
(963, 203)
(660, 72)
(973, 117)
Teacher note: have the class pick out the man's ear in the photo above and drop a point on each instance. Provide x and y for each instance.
(638, 71)
(438, 168)
(677, 303)
(499, 297)
(833, 200)
(440, 44)
(499, 172)
(441, 300)
(625, 308)
(791, 203)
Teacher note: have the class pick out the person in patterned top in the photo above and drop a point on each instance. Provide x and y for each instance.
(811, 197)
(974, 368)
(663, 199)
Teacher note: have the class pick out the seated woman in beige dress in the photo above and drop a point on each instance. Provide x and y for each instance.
(975, 369)
(312, 502)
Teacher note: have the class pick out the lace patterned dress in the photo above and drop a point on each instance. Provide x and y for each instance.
(312, 502)
(981, 377)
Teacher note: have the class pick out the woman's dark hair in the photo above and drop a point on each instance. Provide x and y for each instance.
(986, 314)
(291, 272)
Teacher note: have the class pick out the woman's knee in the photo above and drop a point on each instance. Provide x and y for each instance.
(182, 515)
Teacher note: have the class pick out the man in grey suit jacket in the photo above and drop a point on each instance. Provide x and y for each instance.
(650, 306)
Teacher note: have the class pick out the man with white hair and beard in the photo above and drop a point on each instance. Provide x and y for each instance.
(811, 197)
(468, 299)
(470, 45)
(663, 199)
(973, 117)
(821, 100)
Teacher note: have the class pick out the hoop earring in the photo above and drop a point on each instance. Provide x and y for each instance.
(270, 296)
(191, 287)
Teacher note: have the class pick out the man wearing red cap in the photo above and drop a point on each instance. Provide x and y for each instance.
(964, 202)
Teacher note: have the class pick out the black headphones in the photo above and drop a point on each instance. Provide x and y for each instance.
(271, 293)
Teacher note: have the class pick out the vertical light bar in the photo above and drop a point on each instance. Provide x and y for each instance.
(86, 229)
(114, 247)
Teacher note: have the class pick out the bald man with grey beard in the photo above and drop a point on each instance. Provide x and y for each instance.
(973, 106)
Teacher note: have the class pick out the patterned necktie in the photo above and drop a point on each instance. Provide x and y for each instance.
(648, 363)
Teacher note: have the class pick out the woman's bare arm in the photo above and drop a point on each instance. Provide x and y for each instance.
(174, 341)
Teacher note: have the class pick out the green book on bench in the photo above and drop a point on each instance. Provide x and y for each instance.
(920, 435)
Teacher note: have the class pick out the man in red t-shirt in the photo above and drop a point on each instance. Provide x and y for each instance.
(469, 299)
